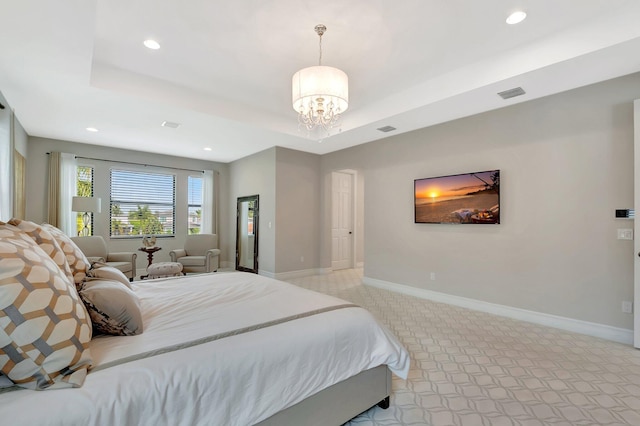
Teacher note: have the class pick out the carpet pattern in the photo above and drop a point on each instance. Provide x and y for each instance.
(476, 369)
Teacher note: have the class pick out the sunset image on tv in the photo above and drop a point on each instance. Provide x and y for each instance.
(463, 198)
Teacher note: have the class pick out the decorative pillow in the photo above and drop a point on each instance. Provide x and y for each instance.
(46, 242)
(95, 259)
(113, 307)
(44, 328)
(78, 262)
(108, 273)
(5, 382)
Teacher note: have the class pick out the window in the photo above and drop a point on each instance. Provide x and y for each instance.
(84, 184)
(195, 204)
(142, 203)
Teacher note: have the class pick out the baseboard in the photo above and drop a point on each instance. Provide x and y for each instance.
(299, 274)
(616, 334)
(225, 264)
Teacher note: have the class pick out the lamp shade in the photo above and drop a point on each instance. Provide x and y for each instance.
(85, 204)
(309, 84)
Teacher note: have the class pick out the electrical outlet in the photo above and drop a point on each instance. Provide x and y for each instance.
(301, 259)
(433, 276)
(627, 307)
(625, 234)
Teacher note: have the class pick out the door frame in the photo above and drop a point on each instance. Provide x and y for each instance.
(636, 242)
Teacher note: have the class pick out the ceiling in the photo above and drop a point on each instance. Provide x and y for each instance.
(224, 67)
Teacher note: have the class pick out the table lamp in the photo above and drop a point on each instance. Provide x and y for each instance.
(85, 205)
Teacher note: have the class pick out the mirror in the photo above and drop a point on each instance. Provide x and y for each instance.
(247, 234)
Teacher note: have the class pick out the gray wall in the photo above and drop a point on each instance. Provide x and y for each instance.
(566, 164)
(37, 168)
(20, 137)
(297, 210)
(256, 174)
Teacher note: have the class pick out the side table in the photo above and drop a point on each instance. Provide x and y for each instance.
(150, 251)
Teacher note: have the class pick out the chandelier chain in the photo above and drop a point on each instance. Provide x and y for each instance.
(320, 56)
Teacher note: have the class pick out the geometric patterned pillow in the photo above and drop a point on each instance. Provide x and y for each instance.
(45, 329)
(46, 242)
(78, 262)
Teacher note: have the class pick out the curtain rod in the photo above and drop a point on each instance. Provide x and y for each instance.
(137, 164)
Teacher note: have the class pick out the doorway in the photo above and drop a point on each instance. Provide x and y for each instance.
(343, 219)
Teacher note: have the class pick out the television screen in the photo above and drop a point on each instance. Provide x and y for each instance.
(463, 198)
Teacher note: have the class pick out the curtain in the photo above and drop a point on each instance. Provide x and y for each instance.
(62, 188)
(6, 208)
(209, 204)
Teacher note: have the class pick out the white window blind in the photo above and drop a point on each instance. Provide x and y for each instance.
(142, 203)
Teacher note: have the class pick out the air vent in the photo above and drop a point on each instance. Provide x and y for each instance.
(512, 93)
(386, 129)
(170, 124)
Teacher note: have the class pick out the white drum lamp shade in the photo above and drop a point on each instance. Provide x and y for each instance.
(320, 82)
(85, 205)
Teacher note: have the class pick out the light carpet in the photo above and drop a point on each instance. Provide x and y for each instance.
(476, 369)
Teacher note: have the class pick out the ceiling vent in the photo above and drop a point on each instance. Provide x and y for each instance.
(512, 93)
(386, 129)
(170, 124)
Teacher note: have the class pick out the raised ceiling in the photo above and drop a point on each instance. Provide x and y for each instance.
(224, 67)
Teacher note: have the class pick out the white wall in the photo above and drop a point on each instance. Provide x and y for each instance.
(256, 175)
(297, 211)
(566, 164)
(37, 169)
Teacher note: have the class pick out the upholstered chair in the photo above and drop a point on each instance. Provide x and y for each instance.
(200, 253)
(95, 248)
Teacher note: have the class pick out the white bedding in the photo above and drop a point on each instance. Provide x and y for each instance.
(238, 380)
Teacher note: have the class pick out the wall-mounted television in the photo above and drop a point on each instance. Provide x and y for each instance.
(466, 198)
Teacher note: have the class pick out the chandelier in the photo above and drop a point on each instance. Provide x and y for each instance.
(320, 94)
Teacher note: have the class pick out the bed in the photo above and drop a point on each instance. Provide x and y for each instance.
(227, 349)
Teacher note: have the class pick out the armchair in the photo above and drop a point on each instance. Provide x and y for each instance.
(95, 248)
(200, 253)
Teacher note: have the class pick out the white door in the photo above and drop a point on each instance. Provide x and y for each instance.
(636, 195)
(341, 220)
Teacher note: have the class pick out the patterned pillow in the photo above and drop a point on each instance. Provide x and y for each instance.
(101, 270)
(44, 328)
(46, 242)
(114, 309)
(78, 262)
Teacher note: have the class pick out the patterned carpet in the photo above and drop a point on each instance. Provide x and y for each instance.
(475, 369)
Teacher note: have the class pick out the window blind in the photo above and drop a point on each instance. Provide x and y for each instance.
(142, 203)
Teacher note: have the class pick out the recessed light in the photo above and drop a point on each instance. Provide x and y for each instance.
(170, 124)
(516, 17)
(152, 44)
(92, 129)
(208, 149)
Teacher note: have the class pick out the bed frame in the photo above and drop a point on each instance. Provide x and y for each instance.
(339, 403)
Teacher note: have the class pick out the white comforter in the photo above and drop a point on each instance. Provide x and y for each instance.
(238, 380)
